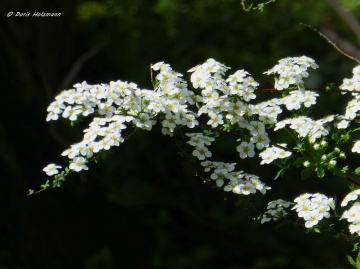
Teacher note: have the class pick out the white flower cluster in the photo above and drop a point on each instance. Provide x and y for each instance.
(352, 84)
(220, 97)
(273, 153)
(238, 181)
(305, 126)
(313, 207)
(200, 141)
(173, 100)
(275, 210)
(221, 102)
(296, 98)
(353, 214)
(291, 71)
(353, 105)
(352, 196)
(119, 104)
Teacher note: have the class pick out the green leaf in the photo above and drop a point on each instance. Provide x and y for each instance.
(31, 191)
(46, 185)
(352, 262)
(357, 170)
(320, 172)
(308, 147)
(329, 86)
(280, 173)
(307, 172)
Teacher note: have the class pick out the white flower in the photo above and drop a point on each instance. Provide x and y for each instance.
(246, 150)
(356, 147)
(78, 164)
(51, 169)
(202, 152)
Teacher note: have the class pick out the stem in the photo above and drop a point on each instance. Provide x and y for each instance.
(331, 43)
(352, 180)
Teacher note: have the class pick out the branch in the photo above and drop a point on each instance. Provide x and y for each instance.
(342, 42)
(347, 17)
(353, 180)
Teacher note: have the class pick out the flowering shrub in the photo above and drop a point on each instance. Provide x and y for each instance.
(225, 105)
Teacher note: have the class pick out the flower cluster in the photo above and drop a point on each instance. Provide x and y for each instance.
(275, 210)
(273, 153)
(352, 84)
(352, 196)
(291, 71)
(238, 181)
(313, 207)
(305, 126)
(220, 104)
(200, 141)
(118, 105)
(353, 214)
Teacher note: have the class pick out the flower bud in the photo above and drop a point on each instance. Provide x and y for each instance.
(332, 162)
(323, 143)
(316, 146)
(306, 164)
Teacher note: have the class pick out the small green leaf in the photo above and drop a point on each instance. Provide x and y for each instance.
(357, 170)
(320, 172)
(46, 185)
(351, 260)
(280, 173)
(353, 263)
(329, 86)
(31, 191)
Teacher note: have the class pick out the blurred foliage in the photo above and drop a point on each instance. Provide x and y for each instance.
(143, 207)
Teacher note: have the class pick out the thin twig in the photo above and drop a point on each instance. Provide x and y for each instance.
(353, 180)
(259, 6)
(331, 42)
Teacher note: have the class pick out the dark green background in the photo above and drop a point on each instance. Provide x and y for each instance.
(143, 207)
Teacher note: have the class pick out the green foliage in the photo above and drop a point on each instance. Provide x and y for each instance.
(91, 10)
(356, 263)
